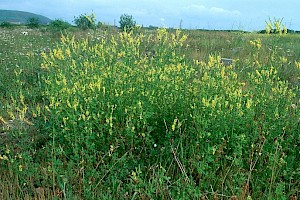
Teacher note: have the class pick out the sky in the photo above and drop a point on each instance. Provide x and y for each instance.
(248, 15)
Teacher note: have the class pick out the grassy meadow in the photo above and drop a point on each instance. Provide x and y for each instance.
(154, 114)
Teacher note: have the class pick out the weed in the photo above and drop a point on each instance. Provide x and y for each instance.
(149, 115)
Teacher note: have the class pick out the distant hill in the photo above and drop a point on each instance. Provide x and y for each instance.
(20, 17)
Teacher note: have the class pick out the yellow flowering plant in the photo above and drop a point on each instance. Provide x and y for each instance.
(150, 114)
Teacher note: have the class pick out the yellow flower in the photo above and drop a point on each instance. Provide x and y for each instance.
(63, 39)
(112, 148)
(249, 103)
(257, 73)
(256, 43)
(2, 120)
(283, 60)
(205, 102)
(68, 52)
(20, 168)
(133, 176)
(19, 156)
(214, 103)
(4, 157)
(58, 54)
(7, 151)
(297, 64)
(174, 124)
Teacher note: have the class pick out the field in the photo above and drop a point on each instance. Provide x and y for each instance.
(153, 114)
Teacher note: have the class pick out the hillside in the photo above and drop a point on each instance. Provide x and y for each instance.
(20, 17)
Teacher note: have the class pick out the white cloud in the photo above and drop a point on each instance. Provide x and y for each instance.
(194, 8)
(203, 10)
(223, 11)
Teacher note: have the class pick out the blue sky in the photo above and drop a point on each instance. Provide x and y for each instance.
(207, 14)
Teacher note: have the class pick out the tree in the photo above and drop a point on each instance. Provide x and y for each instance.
(127, 23)
(33, 22)
(58, 25)
(85, 21)
(6, 25)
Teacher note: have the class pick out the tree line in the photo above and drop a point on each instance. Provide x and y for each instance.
(83, 21)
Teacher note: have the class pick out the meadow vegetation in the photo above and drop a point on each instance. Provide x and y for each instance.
(149, 114)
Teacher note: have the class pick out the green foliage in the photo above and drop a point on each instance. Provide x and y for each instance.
(33, 22)
(59, 25)
(136, 95)
(6, 25)
(85, 21)
(127, 22)
(116, 115)
(106, 27)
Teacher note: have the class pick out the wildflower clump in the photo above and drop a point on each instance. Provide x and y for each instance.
(256, 43)
(113, 93)
(276, 26)
(86, 21)
(117, 108)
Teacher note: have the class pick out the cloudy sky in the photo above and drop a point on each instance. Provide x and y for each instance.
(207, 14)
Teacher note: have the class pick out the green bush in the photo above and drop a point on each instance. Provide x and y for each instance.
(59, 25)
(85, 21)
(6, 25)
(33, 22)
(127, 23)
(123, 115)
(132, 105)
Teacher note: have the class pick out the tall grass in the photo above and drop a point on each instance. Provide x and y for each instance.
(151, 115)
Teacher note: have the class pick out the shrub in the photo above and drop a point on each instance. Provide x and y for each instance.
(106, 27)
(127, 23)
(85, 21)
(6, 25)
(59, 25)
(123, 105)
(33, 22)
